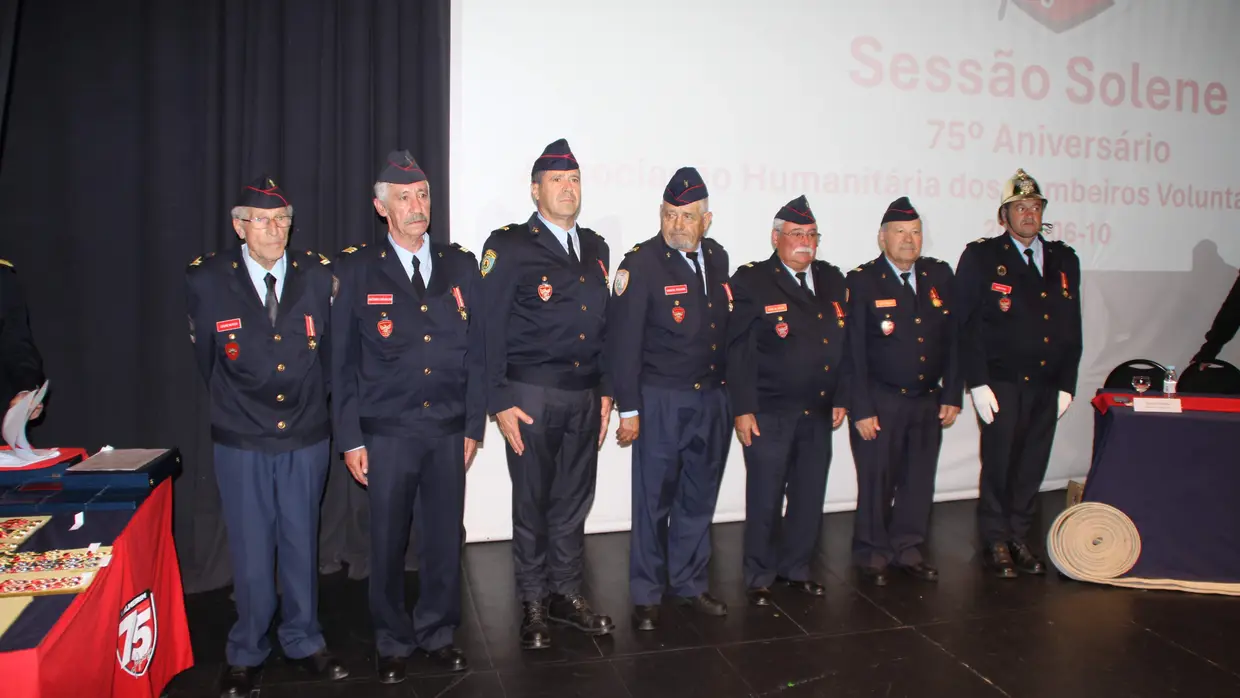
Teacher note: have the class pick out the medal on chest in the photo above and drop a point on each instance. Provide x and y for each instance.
(311, 339)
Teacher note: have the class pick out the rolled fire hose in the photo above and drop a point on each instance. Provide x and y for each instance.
(1095, 542)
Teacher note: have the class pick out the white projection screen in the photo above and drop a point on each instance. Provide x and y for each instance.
(1125, 111)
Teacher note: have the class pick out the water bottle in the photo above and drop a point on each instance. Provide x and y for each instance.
(1169, 381)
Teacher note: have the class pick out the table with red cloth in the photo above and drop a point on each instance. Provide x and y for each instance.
(1177, 477)
(126, 635)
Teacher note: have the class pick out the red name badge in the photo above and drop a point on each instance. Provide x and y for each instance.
(1001, 288)
(228, 325)
(728, 290)
(603, 267)
(379, 299)
(309, 325)
(781, 308)
(675, 290)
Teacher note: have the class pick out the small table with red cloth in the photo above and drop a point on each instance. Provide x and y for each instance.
(126, 635)
(1177, 476)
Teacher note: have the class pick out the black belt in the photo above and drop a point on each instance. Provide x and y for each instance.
(549, 377)
(910, 392)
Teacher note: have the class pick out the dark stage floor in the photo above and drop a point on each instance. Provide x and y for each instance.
(970, 635)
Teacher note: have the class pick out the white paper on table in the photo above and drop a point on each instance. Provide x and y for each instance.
(1156, 404)
(14, 431)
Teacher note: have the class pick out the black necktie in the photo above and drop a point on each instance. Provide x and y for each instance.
(572, 253)
(1032, 264)
(270, 302)
(697, 272)
(419, 285)
(804, 286)
(908, 288)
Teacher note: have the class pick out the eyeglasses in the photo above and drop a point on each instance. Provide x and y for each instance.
(281, 221)
(803, 236)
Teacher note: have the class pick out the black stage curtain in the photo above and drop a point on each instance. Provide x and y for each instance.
(130, 127)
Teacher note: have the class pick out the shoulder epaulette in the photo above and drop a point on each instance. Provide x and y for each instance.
(857, 269)
(7, 263)
(323, 260)
(197, 262)
(978, 241)
(635, 248)
(349, 250)
(457, 245)
(749, 264)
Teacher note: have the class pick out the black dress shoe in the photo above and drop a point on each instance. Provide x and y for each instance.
(573, 610)
(759, 596)
(391, 669)
(322, 665)
(238, 681)
(921, 571)
(448, 657)
(878, 576)
(807, 586)
(646, 617)
(534, 632)
(705, 604)
(998, 559)
(1026, 561)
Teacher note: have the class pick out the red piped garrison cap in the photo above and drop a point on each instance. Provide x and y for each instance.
(685, 187)
(262, 193)
(900, 210)
(401, 168)
(797, 211)
(557, 156)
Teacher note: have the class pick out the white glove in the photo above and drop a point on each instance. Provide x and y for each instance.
(1064, 400)
(985, 403)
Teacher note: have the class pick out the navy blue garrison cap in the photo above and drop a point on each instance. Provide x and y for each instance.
(685, 187)
(797, 211)
(262, 193)
(557, 156)
(401, 168)
(900, 210)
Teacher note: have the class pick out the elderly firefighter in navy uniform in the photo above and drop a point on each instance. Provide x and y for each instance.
(408, 411)
(259, 325)
(544, 304)
(668, 350)
(1020, 312)
(786, 348)
(906, 388)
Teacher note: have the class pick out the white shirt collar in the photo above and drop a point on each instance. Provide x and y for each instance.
(258, 275)
(560, 233)
(406, 257)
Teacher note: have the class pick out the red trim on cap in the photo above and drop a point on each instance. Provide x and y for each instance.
(806, 213)
(269, 192)
(901, 210)
(553, 155)
(695, 186)
(413, 166)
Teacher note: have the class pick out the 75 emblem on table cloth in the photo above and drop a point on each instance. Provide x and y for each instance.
(137, 634)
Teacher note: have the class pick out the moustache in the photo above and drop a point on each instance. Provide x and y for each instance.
(803, 250)
(416, 218)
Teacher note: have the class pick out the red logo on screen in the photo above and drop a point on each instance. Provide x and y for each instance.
(137, 634)
(1059, 15)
